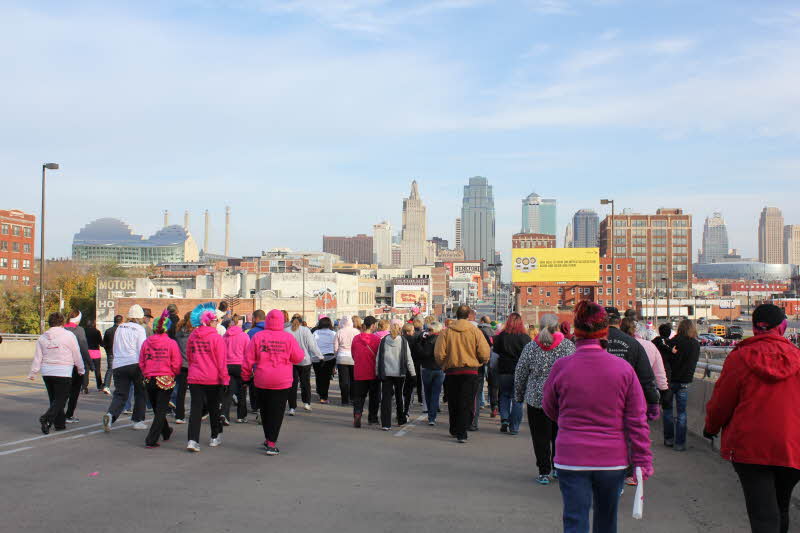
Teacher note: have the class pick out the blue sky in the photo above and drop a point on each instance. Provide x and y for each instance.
(313, 116)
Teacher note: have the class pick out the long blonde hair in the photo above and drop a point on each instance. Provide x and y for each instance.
(395, 330)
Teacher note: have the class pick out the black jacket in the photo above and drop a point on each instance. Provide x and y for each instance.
(414, 346)
(665, 348)
(628, 348)
(173, 325)
(108, 339)
(508, 346)
(93, 338)
(425, 346)
(683, 363)
(80, 335)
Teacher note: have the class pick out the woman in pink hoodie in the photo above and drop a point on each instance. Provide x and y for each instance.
(236, 342)
(273, 352)
(57, 352)
(208, 374)
(160, 361)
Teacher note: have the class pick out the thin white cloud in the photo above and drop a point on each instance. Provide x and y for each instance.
(551, 7)
(590, 59)
(610, 34)
(673, 46)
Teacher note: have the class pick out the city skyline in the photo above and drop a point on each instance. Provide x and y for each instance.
(400, 86)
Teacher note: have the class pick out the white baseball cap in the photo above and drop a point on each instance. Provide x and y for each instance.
(136, 311)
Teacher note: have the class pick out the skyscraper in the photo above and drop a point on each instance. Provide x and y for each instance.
(585, 229)
(477, 220)
(791, 244)
(715, 239)
(412, 246)
(538, 215)
(358, 249)
(382, 243)
(458, 234)
(569, 237)
(770, 236)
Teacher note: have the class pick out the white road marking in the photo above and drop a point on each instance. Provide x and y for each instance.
(8, 452)
(4, 444)
(410, 425)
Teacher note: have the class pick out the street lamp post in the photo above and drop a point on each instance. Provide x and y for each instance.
(45, 167)
(606, 201)
(496, 267)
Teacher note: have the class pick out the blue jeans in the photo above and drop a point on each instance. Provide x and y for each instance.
(675, 429)
(582, 490)
(432, 381)
(510, 411)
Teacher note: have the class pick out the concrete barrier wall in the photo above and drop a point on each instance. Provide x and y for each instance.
(17, 349)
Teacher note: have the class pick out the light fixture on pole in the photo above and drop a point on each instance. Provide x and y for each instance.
(606, 201)
(496, 267)
(45, 167)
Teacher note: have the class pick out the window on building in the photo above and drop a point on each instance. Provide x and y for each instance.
(26, 264)
(640, 267)
(572, 291)
(630, 268)
(26, 248)
(16, 230)
(620, 251)
(3, 262)
(548, 294)
(600, 290)
(15, 264)
(5, 229)
(660, 223)
(541, 291)
(630, 303)
(619, 267)
(4, 245)
(620, 240)
(3, 277)
(561, 302)
(630, 292)
(15, 247)
(530, 290)
(659, 232)
(639, 223)
(680, 223)
(679, 249)
(600, 302)
(541, 302)
(14, 278)
(26, 280)
(378, 290)
(619, 291)
(26, 231)
(608, 279)
(619, 232)
(618, 223)
(561, 290)
(530, 301)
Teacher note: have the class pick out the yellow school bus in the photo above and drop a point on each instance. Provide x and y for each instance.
(717, 329)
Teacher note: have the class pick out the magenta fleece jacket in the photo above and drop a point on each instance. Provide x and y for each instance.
(236, 342)
(596, 400)
(160, 356)
(273, 352)
(207, 356)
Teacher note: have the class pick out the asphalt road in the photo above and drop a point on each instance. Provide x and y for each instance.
(329, 477)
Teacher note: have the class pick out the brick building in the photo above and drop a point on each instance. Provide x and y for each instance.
(17, 230)
(356, 249)
(533, 240)
(660, 245)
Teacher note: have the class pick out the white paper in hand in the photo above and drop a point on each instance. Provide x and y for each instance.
(638, 499)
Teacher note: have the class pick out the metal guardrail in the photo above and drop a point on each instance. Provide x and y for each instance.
(18, 337)
(708, 368)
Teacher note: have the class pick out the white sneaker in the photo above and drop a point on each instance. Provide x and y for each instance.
(139, 425)
(241, 421)
(291, 412)
(107, 422)
(180, 421)
(73, 420)
(307, 406)
(215, 442)
(107, 391)
(193, 446)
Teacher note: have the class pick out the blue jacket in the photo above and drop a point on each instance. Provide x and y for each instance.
(259, 327)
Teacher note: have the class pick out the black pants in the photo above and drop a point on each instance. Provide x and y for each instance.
(461, 401)
(57, 391)
(98, 374)
(159, 399)
(476, 404)
(768, 495)
(109, 371)
(204, 396)
(235, 387)
(123, 377)
(272, 403)
(253, 392)
(345, 379)
(391, 386)
(323, 371)
(302, 375)
(74, 391)
(180, 391)
(361, 388)
(493, 382)
(408, 389)
(543, 434)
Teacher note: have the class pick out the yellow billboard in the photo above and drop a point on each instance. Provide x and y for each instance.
(555, 264)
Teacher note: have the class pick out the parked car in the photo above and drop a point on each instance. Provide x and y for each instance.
(734, 332)
(702, 320)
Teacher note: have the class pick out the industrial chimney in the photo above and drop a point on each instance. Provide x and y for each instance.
(205, 240)
(227, 230)
(186, 220)
(166, 218)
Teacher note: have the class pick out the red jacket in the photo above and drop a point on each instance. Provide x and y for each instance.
(160, 356)
(206, 353)
(755, 402)
(364, 350)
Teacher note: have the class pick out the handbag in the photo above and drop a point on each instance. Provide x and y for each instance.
(165, 382)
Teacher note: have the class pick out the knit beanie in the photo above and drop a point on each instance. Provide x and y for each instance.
(768, 316)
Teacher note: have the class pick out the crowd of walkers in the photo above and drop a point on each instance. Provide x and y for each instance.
(589, 387)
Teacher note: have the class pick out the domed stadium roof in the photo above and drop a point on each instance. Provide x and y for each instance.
(114, 232)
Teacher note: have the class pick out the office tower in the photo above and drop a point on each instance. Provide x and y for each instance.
(661, 246)
(458, 234)
(440, 242)
(538, 215)
(412, 245)
(770, 236)
(585, 228)
(715, 240)
(791, 244)
(382, 243)
(356, 249)
(477, 220)
(569, 237)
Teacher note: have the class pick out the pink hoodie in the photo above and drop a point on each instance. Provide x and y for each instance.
(236, 341)
(273, 352)
(656, 362)
(160, 356)
(206, 353)
(57, 347)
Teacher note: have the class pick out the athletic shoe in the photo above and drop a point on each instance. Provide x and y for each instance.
(151, 446)
(127, 412)
(213, 443)
(139, 425)
(224, 421)
(193, 446)
(679, 448)
(461, 440)
(402, 421)
(474, 428)
(631, 481)
(171, 405)
(204, 417)
(107, 391)
(357, 421)
(554, 474)
(291, 412)
(386, 429)
(241, 421)
(273, 450)
(513, 432)
(73, 420)
(543, 480)
(169, 431)
(431, 422)
(307, 406)
(107, 418)
(45, 424)
(324, 402)
(669, 443)
(180, 420)
(504, 427)
(495, 413)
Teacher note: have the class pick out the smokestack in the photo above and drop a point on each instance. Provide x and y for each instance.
(205, 240)
(227, 230)
(186, 220)
(166, 218)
